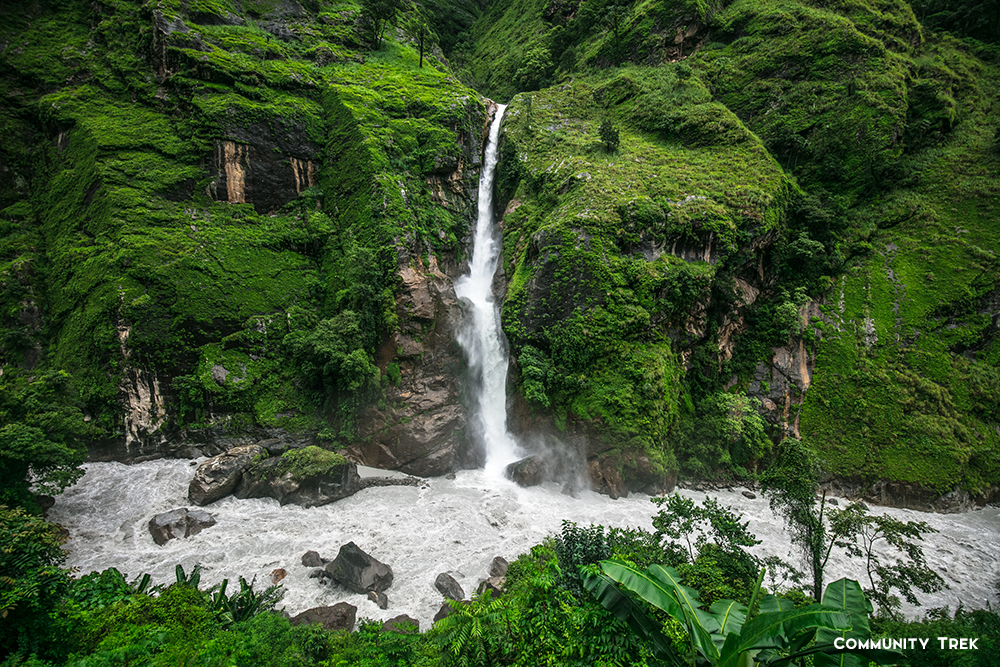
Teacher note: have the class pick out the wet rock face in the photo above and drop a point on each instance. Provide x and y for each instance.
(179, 523)
(219, 476)
(358, 571)
(421, 428)
(340, 616)
(909, 496)
(425, 417)
(307, 490)
(263, 166)
(781, 382)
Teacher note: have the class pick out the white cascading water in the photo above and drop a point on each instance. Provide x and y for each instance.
(448, 525)
(481, 336)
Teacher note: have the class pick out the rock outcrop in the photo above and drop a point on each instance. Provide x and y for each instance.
(308, 487)
(357, 571)
(219, 476)
(180, 522)
(340, 616)
(402, 624)
(448, 587)
(420, 429)
(909, 496)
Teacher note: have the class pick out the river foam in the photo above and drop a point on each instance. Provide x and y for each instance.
(454, 526)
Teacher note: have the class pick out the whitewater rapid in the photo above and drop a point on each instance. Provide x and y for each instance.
(454, 526)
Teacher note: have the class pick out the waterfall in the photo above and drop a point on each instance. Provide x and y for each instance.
(481, 336)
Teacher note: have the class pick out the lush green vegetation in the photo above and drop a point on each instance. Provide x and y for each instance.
(847, 158)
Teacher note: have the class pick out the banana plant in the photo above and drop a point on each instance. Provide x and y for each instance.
(728, 635)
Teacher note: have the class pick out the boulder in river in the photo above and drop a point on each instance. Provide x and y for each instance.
(381, 600)
(218, 476)
(529, 471)
(494, 584)
(340, 616)
(312, 559)
(310, 477)
(498, 568)
(448, 587)
(358, 571)
(179, 523)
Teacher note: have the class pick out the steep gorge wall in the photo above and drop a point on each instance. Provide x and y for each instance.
(205, 199)
(835, 325)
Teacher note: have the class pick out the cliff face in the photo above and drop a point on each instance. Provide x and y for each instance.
(230, 221)
(189, 194)
(762, 255)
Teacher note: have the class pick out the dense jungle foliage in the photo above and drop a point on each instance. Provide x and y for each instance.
(729, 226)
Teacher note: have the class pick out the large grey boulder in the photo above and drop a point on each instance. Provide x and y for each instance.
(179, 523)
(218, 476)
(398, 623)
(358, 571)
(340, 616)
(448, 587)
(310, 477)
(312, 559)
(529, 471)
(498, 568)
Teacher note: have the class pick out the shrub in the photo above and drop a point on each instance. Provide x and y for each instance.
(609, 136)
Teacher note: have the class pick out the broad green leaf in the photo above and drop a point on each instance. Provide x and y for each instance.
(657, 593)
(660, 586)
(730, 615)
(701, 624)
(771, 604)
(773, 629)
(624, 608)
(877, 656)
(845, 595)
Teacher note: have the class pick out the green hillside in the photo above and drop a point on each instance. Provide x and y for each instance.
(230, 220)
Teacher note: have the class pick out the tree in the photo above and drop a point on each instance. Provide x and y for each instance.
(609, 136)
(614, 19)
(40, 439)
(857, 532)
(470, 634)
(380, 14)
(790, 484)
(31, 581)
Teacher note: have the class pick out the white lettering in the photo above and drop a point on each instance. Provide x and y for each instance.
(865, 643)
(952, 643)
(942, 640)
(924, 642)
(898, 644)
(972, 643)
(838, 643)
(963, 643)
